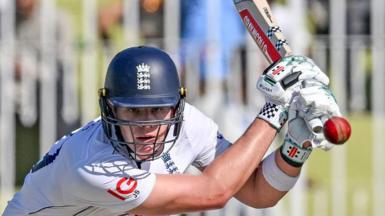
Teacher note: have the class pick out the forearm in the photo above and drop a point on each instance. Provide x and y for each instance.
(259, 193)
(284, 166)
(234, 167)
(218, 182)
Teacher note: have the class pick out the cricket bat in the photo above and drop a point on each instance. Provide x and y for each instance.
(263, 28)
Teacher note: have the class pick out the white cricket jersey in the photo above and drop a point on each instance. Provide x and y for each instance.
(83, 175)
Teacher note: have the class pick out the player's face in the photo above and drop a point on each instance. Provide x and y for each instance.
(145, 135)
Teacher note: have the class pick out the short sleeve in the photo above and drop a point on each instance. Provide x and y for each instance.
(113, 185)
(204, 136)
(213, 149)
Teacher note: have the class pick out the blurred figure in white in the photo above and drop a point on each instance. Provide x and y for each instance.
(30, 22)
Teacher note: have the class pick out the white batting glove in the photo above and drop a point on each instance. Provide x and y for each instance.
(316, 104)
(278, 83)
(310, 104)
(297, 146)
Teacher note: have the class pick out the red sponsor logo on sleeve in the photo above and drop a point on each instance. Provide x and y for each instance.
(124, 188)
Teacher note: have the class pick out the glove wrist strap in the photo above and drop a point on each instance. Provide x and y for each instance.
(293, 154)
(275, 115)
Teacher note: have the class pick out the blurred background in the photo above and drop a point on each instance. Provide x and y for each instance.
(54, 54)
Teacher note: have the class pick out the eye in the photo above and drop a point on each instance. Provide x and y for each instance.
(156, 109)
(133, 110)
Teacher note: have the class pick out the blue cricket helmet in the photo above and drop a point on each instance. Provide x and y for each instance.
(141, 77)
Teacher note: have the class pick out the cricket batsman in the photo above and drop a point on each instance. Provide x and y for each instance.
(131, 160)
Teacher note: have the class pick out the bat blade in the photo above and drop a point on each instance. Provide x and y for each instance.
(258, 20)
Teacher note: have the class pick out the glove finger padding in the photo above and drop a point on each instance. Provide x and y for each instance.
(299, 132)
(297, 144)
(284, 77)
(317, 102)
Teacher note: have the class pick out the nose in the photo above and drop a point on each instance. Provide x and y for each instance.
(147, 115)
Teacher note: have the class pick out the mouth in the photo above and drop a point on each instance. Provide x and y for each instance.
(146, 145)
(146, 139)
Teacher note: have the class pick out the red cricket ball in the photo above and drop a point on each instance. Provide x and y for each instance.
(337, 130)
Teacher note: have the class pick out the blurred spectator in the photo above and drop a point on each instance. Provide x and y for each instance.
(28, 52)
(211, 30)
(357, 38)
(151, 17)
(109, 16)
(212, 36)
(319, 16)
(358, 13)
(214, 24)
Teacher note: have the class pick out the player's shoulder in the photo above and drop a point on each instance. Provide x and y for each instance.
(100, 179)
(86, 144)
(97, 160)
(194, 118)
(84, 135)
(88, 128)
(103, 166)
(196, 123)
